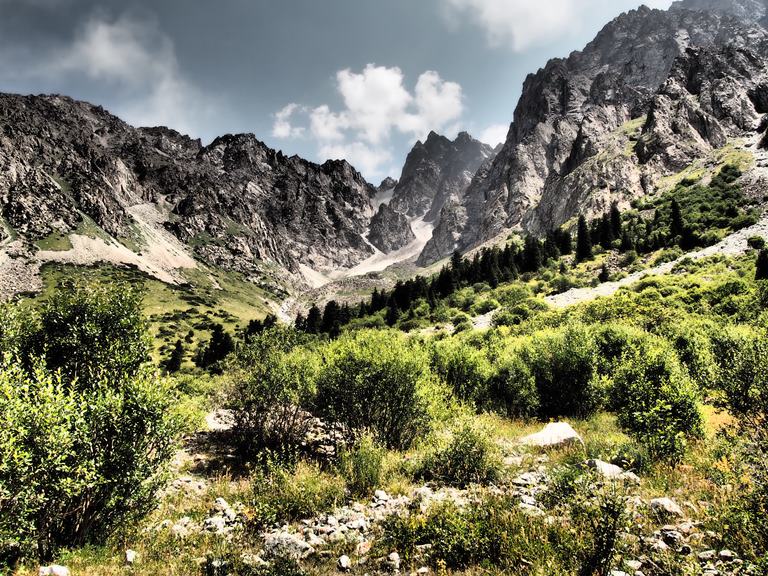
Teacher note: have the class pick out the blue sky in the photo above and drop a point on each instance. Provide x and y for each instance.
(360, 79)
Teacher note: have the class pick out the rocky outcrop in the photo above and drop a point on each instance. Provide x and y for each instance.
(572, 146)
(390, 230)
(437, 171)
(235, 203)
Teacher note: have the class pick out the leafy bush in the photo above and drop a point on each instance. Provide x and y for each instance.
(287, 495)
(377, 381)
(496, 535)
(82, 449)
(463, 367)
(656, 401)
(362, 466)
(78, 464)
(272, 381)
(563, 364)
(467, 456)
(512, 387)
(756, 242)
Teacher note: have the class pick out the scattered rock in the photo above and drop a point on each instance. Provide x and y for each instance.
(666, 507)
(612, 472)
(287, 545)
(554, 435)
(130, 557)
(53, 570)
(344, 564)
(393, 560)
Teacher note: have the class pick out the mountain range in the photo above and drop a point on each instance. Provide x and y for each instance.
(654, 93)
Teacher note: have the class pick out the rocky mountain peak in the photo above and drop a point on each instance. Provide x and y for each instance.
(586, 106)
(436, 170)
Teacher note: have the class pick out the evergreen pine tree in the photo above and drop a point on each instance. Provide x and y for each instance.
(626, 242)
(300, 322)
(676, 225)
(603, 276)
(616, 220)
(330, 316)
(314, 320)
(606, 232)
(583, 241)
(761, 271)
(393, 315)
(533, 257)
(173, 364)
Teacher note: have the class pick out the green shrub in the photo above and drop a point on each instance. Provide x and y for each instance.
(376, 380)
(467, 456)
(756, 242)
(462, 367)
(87, 427)
(77, 464)
(287, 495)
(497, 536)
(362, 466)
(512, 387)
(563, 364)
(272, 381)
(92, 331)
(656, 401)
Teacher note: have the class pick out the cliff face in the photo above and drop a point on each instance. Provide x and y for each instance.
(235, 203)
(437, 171)
(572, 146)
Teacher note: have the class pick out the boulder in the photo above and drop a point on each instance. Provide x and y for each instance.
(612, 472)
(53, 570)
(554, 435)
(344, 564)
(666, 507)
(287, 545)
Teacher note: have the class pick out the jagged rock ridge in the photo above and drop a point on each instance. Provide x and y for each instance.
(235, 203)
(571, 149)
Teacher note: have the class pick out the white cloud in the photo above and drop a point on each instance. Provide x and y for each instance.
(494, 134)
(283, 127)
(139, 60)
(376, 104)
(521, 24)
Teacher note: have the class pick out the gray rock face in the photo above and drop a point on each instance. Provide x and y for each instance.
(390, 230)
(571, 148)
(435, 171)
(236, 203)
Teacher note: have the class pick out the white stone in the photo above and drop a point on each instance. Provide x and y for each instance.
(130, 556)
(666, 507)
(612, 472)
(54, 570)
(394, 560)
(288, 545)
(554, 435)
(344, 563)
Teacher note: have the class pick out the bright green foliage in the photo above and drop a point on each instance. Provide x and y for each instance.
(563, 364)
(272, 381)
(495, 534)
(82, 448)
(362, 466)
(287, 495)
(656, 401)
(91, 332)
(379, 381)
(512, 387)
(78, 463)
(467, 456)
(463, 367)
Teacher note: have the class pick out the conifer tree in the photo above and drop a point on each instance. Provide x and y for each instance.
(583, 241)
(676, 225)
(606, 232)
(173, 364)
(314, 320)
(616, 220)
(761, 271)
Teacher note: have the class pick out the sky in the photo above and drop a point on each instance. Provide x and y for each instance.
(325, 79)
